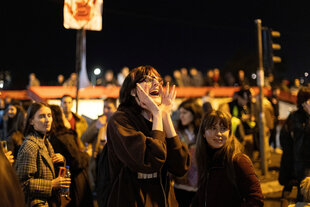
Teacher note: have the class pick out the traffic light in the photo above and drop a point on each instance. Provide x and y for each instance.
(269, 48)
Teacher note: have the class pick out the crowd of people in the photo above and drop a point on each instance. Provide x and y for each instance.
(186, 77)
(197, 155)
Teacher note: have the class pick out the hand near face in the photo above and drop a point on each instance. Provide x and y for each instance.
(144, 100)
(168, 98)
(57, 158)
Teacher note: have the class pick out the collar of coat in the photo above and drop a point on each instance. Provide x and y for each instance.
(46, 151)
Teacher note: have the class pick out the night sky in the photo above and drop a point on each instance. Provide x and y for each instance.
(167, 34)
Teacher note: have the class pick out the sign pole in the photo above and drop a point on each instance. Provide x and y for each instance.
(260, 83)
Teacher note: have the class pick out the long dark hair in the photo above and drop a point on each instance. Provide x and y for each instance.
(18, 121)
(135, 76)
(224, 154)
(197, 112)
(32, 110)
(58, 125)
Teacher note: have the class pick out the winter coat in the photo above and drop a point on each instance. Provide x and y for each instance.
(35, 170)
(295, 142)
(140, 159)
(65, 143)
(220, 192)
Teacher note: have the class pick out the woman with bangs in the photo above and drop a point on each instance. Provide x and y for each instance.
(226, 176)
(143, 146)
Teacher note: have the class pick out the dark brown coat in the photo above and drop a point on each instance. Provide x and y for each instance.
(219, 190)
(133, 147)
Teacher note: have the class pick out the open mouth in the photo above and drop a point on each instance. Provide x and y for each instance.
(154, 93)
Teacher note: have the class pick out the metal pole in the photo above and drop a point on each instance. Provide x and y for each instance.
(260, 83)
(80, 53)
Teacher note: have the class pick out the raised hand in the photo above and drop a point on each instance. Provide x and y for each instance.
(145, 101)
(168, 98)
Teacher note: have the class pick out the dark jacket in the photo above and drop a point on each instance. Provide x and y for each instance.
(133, 148)
(65, 143)
(295, 142)
(220, 192)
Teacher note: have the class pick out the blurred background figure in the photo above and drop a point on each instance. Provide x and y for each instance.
(60, 80)
(241, 79)
(209, 78)
(295, 87)
(11, 194)
(122, 75)
(196, 77)
(15, 135)
(109, 79)
(217, 79)
(190, 115)
(33, 81)
(177, 77)
(168, 78)
(186, 79)
(71, 81)
(10, 117)
(96, 136)
(274, 100)
(77, 122)
(64, 141)
(295, 143)
(229, 79)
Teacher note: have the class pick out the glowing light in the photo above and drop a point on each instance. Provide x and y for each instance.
(253, 76)
(97, 71)
(306, 74)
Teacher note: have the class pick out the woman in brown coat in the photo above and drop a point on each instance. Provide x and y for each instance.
(143, 146)
(226, 176)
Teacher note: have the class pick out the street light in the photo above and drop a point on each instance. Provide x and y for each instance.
(97, 71)
(95, 74)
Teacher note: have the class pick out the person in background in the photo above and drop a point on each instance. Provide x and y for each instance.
(217, 79)
(143, 145)
(122, 75)
(274, 100)
(15, 136)
(196, 77)
(96, 136)
(186, 79)
(109, 79)
(71, 81)
(177, 78)
(36, 159)
(209, 78)
(226, 176)
(33, 81)
(11, 193)
(77, 122)
(242, 81)
(295, 143)
(190, 115)
(10, 117)
(63, 140)
(60, 80)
